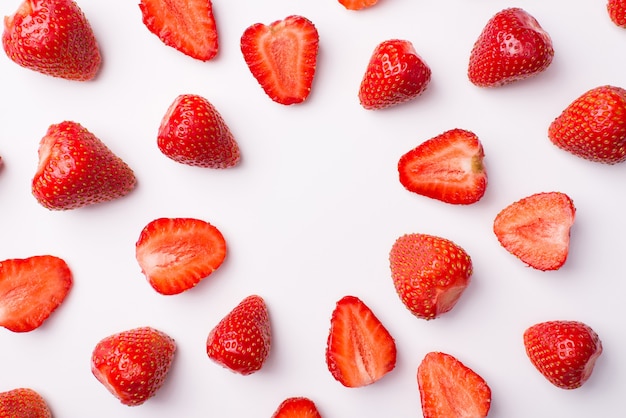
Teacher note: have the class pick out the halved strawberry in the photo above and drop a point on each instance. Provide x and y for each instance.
(185, 25)
(536, 229)
(23, 403)
(193, 132)
(175, 254)
(448, 167)
(450, 389)
(282, 56)
(359, 351)
(31, 289)
(357, 4)
(617, 12)
(241, 341)
(395, 74)
(297, 407)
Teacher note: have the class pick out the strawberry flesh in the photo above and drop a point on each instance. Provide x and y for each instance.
(448, 167)
(360, 351)
(297, 407)
(357, 4)
(31, 289)
(23, 403)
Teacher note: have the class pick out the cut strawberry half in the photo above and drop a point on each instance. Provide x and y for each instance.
(31, 289)
(357, 4)
(297, 407)
(360, 350)
(175, 254)
(536, 229)
(282, 57)
(448, 167)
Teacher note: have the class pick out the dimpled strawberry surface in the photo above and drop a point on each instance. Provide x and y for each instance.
(312, 208)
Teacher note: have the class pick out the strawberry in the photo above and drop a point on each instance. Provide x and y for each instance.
(593, 126)
(175, 254)
(52, 37)
(536, 229)
(448, 167)
(133, 364)
(395, 74)
(297, 407)
(450, 389)
(359, 350)
(565, 352)
(429, 273)
(23, 403)
(617, 12)
(31, 289)
(357, 4)
(511, 47)
(282, 57)
(241, 340)
(185, 25)
(193, 132)
(76, 169)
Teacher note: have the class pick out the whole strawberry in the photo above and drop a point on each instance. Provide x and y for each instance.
(52, 37)
(76, 169)
(429, 273)
(297, 407)
(593, 126)
(617, 12)
(193, 132)
(23, 403)
(133, 364)
(395, 74)
(511, 47)
(565, 352)
(241, 340)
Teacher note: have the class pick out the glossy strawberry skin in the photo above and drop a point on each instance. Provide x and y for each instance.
(297, 407)
(23, 403)
(193, 132)
(52, 37)
(357, 4)
(617, 12)
(395, 74)
(241, 341)
(511, 47)
(593, 126)
(564, 352)
(133, 364)
(429, 273)
(76, 169)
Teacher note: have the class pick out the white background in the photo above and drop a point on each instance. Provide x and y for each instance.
(312, 210)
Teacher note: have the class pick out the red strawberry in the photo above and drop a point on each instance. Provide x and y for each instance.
(133, 364)
(76, 169)
(357, 4)
(282, 57)
(511, 47)
(52, 37)
(31, 289)
(429, 273)
(536, 229)
(617, 12)
(297, 407)
(448, 167)
(359, 350)
(565, 352)
(193, 132)
(450, 389)
(395, 74)
(175, 254)
(593, 126)
(241, 340)
(23, 403)
(185, 25)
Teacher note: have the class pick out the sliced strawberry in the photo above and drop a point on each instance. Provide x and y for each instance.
(133, 364)
(31, 289)
(448, 167)
(241, 341)
(617, 12)
(564, 352)
(52, 37)
(429, 273)
(185, 25)
(359, 350)
(536, 229)
(357, 4)
(193, 132)
(175, 254)
(297, 407)
(395, 74)
(282, 57)
(23, 403)
(450, 389)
